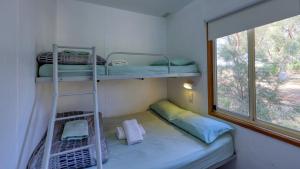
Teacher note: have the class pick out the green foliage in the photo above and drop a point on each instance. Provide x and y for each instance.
(294, 66)
(233, 88)
(277, 50)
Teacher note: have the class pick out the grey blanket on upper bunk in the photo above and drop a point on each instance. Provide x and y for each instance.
(76, 160)
(69, 58)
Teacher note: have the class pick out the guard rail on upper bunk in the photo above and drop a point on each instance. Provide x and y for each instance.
(136, 54)
(108, 76)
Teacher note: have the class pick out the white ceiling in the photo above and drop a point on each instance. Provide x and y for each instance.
(150, 7)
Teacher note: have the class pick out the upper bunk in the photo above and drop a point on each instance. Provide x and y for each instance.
(112, 69)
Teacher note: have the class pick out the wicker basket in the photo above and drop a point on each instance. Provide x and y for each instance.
(76, 160)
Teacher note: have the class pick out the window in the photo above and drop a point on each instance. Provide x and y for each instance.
(232, 74)
(257, 76)
(277, 54)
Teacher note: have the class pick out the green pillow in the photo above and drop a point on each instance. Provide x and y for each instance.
(204, 128)
(174, 62)
(166, 109)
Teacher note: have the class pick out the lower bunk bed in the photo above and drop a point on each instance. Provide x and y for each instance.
(165, 146)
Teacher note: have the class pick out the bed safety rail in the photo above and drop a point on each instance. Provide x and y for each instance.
(135, 54)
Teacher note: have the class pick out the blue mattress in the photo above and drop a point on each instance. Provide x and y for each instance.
(164, 146)
(46, 70)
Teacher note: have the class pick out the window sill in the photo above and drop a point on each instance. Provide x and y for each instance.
(252, 125)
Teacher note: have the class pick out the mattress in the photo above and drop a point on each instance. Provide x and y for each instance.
(164, 147)
(70, 70)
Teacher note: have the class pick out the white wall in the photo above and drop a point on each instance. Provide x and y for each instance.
(36, 33)
(255, 150)
(18, 45)
(116, 97)
(9, 94)
(111, 30)
(187, 37)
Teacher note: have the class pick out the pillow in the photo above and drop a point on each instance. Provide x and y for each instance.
(166, 109)
(75, 130)
(204, 128)
(174, 62)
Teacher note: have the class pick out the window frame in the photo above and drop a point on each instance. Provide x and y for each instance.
(251, 122)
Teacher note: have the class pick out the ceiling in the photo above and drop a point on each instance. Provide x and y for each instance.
(150, 7)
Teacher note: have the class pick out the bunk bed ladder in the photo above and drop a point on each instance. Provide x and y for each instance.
(48, 144)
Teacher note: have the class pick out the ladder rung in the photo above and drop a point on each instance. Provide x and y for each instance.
(73, 71)
(77, 94)
(72, 150)
(75, 116)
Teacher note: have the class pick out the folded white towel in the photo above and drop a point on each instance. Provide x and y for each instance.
(132, 131)
(120, 133)
(119, 62)
(143, 131)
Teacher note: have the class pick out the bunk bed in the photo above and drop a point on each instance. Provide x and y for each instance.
(107, 72)
(166, 146)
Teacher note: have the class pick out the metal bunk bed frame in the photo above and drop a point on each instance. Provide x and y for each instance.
(107, 76)
(135, 54)
(55, 79)
(95, 78)
(48, 144)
